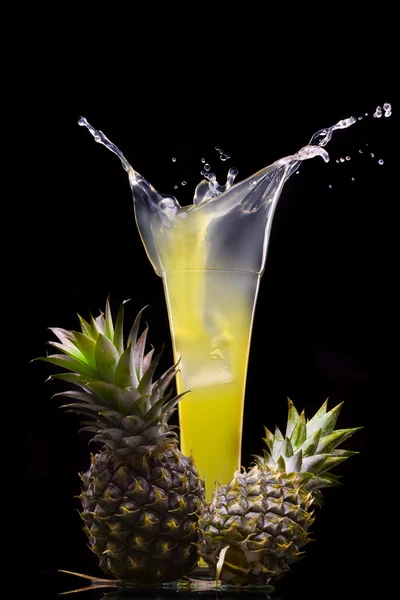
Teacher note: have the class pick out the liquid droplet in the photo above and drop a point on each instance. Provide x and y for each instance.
(388, 113)
(175, 187)
(184, 183)
(372, 155)
(387, 106)
(233, 172)
(381, 161)
(330, 186)
(366, 115)
(378, 113)
(297, 172)
(342, 160)
(217, 147)
(223, 157)
(360, 151)
(348, 158)
(206, 167)
(353, 178)
(220, 151)
(203, 160)
(337, 160)
(173, 159)
(360, 118)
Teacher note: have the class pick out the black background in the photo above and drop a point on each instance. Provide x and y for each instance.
(327, 314)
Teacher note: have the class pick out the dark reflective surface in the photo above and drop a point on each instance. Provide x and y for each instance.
(47, 585)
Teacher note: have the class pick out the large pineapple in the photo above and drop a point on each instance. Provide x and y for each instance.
(141, 495)
(255, 526)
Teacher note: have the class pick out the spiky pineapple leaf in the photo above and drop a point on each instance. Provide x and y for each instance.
(109, 321)
(113, 416)
(278, 443)
(165, 406)
(281, 463)
(119, 330)
(133, 424)
(269, 439)
(143, 405)
(86, 328)
(326, 423)
(126, 400)
(146, 381)
(67, 362)
(147, 360)
(287, 449)
(299, 433)
(104, 440)
(325, 480)
(330, 463)
(65, 337)
(87, 347)
(311, 464)
(77, 395)
(124, 376)
(133, 441)
(293, 464)
(90, 428)
(329, 442)
(72, 351)
(310, 445)
(101, 322)
(95, 327)
(162, 383)
(92, 410)
(107, 358)
(346, 453)
(107, 392)
(293, 417)
(70, 378)
(320, 413)
(112, 433)
(135, 328)
(139, 353)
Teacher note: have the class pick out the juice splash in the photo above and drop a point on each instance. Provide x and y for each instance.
(210, 256)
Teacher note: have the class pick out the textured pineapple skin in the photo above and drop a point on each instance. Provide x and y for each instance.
(263, 515)
(141, 515)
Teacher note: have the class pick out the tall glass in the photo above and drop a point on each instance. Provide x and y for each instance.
(210, 256)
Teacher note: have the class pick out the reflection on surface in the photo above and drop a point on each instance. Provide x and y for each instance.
(198, 586)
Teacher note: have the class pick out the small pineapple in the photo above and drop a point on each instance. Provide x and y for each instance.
(255, 526)
(141, 495)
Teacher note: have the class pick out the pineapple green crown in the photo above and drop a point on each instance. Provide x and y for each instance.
(125, 409)
(309, 447)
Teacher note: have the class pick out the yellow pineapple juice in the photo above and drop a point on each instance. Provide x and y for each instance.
(210, 312)
(211, 336)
